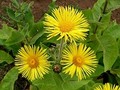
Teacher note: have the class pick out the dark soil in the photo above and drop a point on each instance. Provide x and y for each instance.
(39, 8)
(116, 15)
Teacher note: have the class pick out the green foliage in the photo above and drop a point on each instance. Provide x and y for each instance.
(15, 37)
(113, 4)
(97, 9)
(5, 57)
(5, 32)
(109, 45)
(57, 81)
(47, 83)
(103, 38)
(10, 35)
(114, 31)
(8, 81)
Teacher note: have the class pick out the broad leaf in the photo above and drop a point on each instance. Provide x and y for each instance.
(48, 83)
(113, 4)
(73, 83)
(104, 21)
(15, 38)
(5, 57)
(88, 86)
(15, 3)
(5, 32)
(55, 81)
(114, 31)
(8, 81)
(99, 70)
(37, 27)
(38, 35)
(97, 12)
(110, 50)
(88, 14)
(11, 14)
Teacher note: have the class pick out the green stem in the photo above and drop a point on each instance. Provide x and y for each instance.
(60, 51)
(104, 10)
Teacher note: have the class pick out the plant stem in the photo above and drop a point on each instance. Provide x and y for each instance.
(105, 6)
(60, 51)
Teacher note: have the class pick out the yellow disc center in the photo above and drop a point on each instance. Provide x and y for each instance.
(78, 61)
(66, 26)
(33, 63)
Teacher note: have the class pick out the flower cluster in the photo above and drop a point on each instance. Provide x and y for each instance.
(68, 24)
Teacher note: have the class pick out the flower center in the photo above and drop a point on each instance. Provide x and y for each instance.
(66, 26)
(33, 63)
(78, 61)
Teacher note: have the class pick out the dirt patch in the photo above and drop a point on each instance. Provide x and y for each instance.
(41, 6)
(116, 15)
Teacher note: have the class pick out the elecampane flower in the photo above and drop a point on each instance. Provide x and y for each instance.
(107, 86)
(79, 60)
(67, 22)
(32, 62)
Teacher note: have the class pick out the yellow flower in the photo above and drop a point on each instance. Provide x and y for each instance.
(79, 60)
(32, 62)
(107, 86)
(66, 22)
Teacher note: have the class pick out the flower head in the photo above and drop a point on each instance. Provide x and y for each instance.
(32, 62)
(107, 86)
(79, 60)
(66, 22)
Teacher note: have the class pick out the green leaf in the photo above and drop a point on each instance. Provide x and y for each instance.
(99, 70)
(24, 30)
(40, 31)
(96, 85)
(32, 87)
(94, 44)
(37, 27)
(114, 31)
(58, 80)
(48, 83)
(113, 4)
(37, 36)
(88, 86)
(11, 14)
(104, 22)
(74, 85)
(116, 71)
(1, 42)
(5, 57)
(88, 13)
(8, 81)
(15, 37)
(110, 50)
(25, 7)
(55, 81)
(118, 80)
(116, 64)
(29, 17)
(5, 32)
(97, 12)
(15, 3)
(51, 6)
